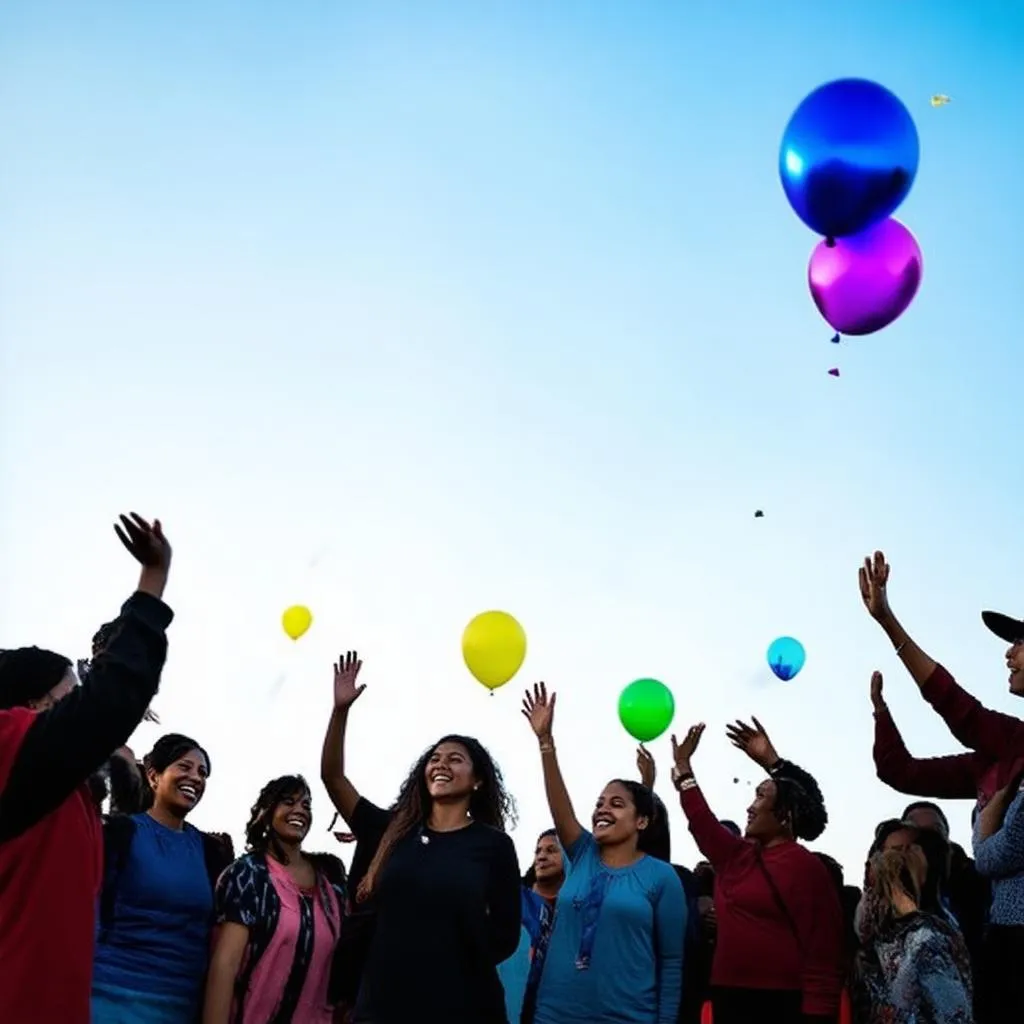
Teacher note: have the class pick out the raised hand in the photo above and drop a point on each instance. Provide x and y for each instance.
(753, 741)
(346, 672)
(646, 766)
(147, 543)
(539, 710)
(344, 837)
(683, 752)
(151, 716)
(877, 700)
(873, 577)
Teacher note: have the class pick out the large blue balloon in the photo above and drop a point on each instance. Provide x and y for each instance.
(786, 657)
(849, 156)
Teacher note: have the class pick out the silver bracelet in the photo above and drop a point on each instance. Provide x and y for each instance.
(899, 648)
(690, 783)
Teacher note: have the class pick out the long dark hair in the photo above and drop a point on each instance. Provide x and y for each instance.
(491, 804)
(165, 752)
(655, 839)
(260, 837)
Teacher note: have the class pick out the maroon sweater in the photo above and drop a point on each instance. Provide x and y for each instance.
(758, 946)
(996, 741)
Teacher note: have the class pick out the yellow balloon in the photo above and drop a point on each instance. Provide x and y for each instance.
(296, 620)
(493, 647)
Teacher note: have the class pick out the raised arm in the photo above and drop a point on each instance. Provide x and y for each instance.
(874, 580)
(343, 794)
(69, 741)
(713, 839)
(539, 711)
(949, 778)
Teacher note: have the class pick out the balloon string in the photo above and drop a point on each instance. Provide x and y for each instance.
(830, 243)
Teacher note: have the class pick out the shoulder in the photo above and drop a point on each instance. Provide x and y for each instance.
(661, 873)
(329, 866)
(14, 726)
(243, 872)
(491, 837)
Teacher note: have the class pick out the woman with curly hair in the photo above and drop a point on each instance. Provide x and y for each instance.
(779, 949)
(616, 948)
(279, 913)
(442, 881)
(156, 905)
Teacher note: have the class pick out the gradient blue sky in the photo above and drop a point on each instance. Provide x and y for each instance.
(409, 310)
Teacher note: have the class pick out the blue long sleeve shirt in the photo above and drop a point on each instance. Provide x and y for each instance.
(616, 950)
(1001, 858)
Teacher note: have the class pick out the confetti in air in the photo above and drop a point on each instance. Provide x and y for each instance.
(940, 100)
(759, 514)
(834, 372)
(835, 339)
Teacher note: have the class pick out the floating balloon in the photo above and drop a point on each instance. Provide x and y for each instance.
(862, 284)
(493, 647)
(296, 620)
(786, 657)
(848, 157)
(646, 708)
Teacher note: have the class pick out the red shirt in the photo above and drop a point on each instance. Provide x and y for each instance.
(997, 742)
(50, 879)
(757, 945)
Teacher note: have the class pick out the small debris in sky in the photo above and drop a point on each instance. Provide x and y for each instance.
(834, 372)
(735, 781)
(940, 99)
(835, 339)
(759, 514)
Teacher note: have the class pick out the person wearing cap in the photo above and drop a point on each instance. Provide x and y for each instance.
(54, 735)
(995, 742)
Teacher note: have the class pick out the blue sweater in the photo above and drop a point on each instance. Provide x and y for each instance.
(616, 952)
(1001, 858)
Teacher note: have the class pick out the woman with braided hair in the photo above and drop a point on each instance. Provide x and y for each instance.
(442, 880)
(279, 912)
(779, 950)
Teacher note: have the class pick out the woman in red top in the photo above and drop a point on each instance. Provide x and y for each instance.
(779, 952)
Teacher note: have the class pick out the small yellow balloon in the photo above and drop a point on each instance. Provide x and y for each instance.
(493, 647)
(296, 620)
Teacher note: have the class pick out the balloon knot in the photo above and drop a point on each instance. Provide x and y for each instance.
(830, 242)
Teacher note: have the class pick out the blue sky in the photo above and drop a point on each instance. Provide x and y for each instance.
(407, 310)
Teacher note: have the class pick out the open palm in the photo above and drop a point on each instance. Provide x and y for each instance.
(539, 709)
(346, 672)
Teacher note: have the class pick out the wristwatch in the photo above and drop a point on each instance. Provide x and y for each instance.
(679, 777)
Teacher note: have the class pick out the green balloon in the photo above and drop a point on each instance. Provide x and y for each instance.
(646, 708)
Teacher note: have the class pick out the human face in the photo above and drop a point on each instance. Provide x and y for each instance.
(925, 817)
(901, 839)
(293, 817)
(449, 772)
(68, 682)
(180, 786)
(762, 824)
(615, 819)
(1015, 663)
(547, 859)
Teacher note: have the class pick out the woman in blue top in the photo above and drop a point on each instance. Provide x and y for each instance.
(616, 949)
(156, 908)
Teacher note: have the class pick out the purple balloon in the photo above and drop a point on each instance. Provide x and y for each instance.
(865, 281)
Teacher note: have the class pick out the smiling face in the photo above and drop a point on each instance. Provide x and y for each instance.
(180, 786)
(292, 818)
(762, 824)
(1015, 663)
(615, 819)
(547, 859)
(449, 772)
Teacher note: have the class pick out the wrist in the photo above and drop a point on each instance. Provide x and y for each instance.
(546, 743)
(152, 582)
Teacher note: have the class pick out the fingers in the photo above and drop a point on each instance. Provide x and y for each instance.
(757, 725)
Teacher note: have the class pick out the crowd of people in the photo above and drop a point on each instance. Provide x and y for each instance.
(133, 916)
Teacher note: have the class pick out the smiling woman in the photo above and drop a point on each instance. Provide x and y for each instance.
(279, 913)
(159, 876)
(439, 892)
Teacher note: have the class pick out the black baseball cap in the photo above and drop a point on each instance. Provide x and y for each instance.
(1006, 628)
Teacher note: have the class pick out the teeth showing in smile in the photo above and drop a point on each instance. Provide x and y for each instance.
(189, 790)
(296, 822)
(602, 823)
(441, 777)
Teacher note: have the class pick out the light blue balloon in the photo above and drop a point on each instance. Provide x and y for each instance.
(786, 657)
